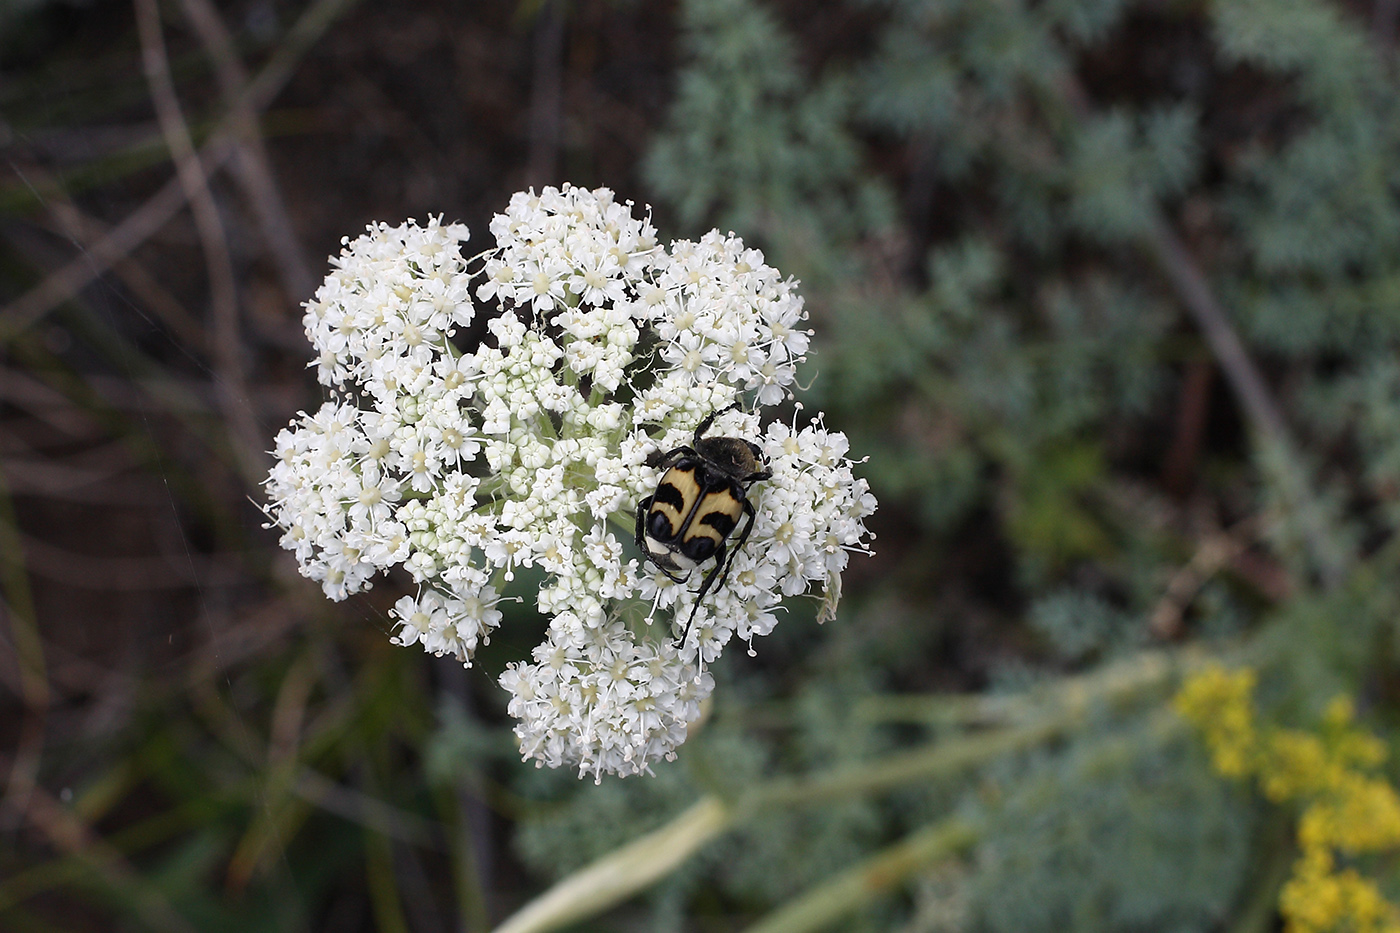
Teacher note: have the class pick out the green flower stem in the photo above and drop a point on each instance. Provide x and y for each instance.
(959, 710)
(624, 872)
(929, 762)
(543, 426)
(873, 878)
(637, 865)
(1113, 683)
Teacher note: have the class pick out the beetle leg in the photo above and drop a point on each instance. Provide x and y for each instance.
(724, 559)
(657, 460)
(756, 477)
(738, 545)
(642, 508)
(704, 588)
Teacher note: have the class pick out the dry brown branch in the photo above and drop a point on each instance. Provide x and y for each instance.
(141, 224)
(1278, 453)
(154, 394)
(50, 479)
(68, 672)
(252, 167)
(309, 785)
(1195, 293)
(128, 574)
(231, 386)
(1260, 410)
(47, 404)
(138, 227)
(289, 711)
(186, 401)
(151, 395)
(87, 232)
(254, 631)
(1192, 410)
(68, 220)
(476, 842)
(1213, 554)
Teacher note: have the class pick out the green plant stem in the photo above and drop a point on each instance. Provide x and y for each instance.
(622, 873)
(873, 878)
(930, 762)
(637, 865)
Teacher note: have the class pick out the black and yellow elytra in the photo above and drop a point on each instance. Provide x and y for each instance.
(698, 503)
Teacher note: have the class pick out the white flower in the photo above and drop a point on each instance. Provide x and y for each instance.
(463, 463)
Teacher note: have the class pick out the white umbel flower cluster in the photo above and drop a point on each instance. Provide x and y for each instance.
(527, 446)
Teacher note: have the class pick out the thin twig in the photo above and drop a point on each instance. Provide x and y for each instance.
(48, 478)
(1278, 454)
(69, 673)
(369, 811)
(475, 848)
(141, 224)
(228, 340)
(1180, 462)
(46, 404)
(1260, 411)
(1195, 293)
(68, 220)
(1214, 553)
(87, 231)
(256, 631)
(252, 167)
(124, 574)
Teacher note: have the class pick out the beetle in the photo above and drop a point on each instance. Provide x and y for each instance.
(698, 503)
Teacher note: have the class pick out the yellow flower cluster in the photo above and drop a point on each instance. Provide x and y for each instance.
(1318, 897)
(1220, 703)
(1347, 809)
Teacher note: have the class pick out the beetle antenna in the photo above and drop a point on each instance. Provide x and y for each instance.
(710, 419)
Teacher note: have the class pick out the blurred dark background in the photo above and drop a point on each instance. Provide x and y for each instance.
(1108, 292)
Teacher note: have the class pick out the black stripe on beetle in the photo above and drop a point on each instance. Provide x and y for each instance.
(698, 503)
(719, 511)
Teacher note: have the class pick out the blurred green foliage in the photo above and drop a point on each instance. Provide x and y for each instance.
(1095, 839)
(1076, 502)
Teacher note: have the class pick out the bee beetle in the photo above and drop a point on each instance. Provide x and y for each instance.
(697, 505)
